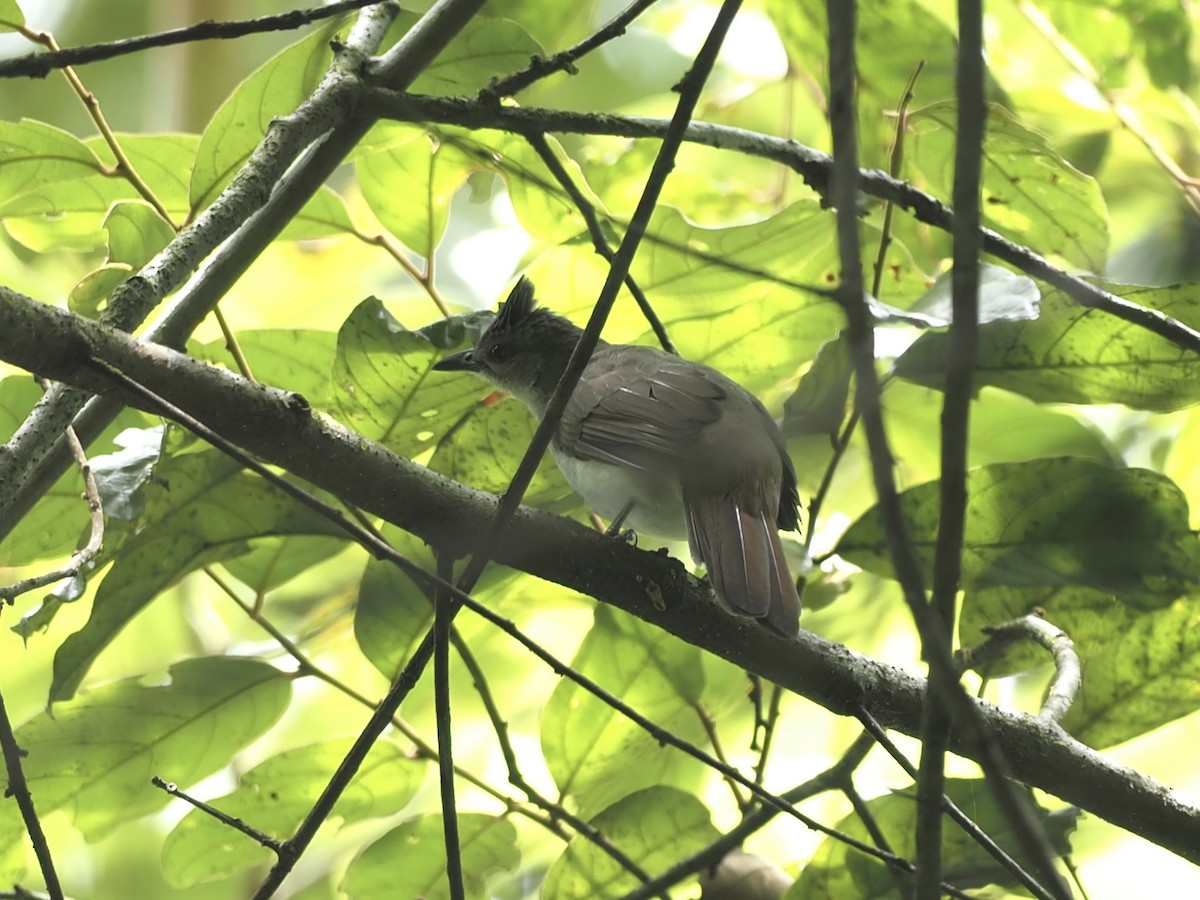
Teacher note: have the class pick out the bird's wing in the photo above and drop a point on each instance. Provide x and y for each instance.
(642, 411)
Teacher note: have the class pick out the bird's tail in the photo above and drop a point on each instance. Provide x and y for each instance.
(745, 560)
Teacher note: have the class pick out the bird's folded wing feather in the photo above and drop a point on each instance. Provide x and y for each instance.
(640, 415)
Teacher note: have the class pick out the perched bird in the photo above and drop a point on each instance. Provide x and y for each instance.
(674, 447)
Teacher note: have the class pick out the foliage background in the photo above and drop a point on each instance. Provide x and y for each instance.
(1142, 59)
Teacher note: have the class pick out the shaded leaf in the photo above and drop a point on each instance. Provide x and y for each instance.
(1074, 354)
(818, 405)
(838, 870)
(1140, 667)
(656, 828)
(275, 561)
(410, 860)
(1053, 522)
(121, 475)
(1003, 296)
(393, 612)
(94, 758)
(596, 755)
(275, 796)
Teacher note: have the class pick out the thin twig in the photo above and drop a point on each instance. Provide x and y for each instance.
(1067, 671)
(714, 739)
(540, 67)
(814, 166)
(224, 818)
(18, 789)
(542, 147)
(79, 558)
(441, 700)
(769, 723)
(936, 721)
(863, 811)
(39, 65)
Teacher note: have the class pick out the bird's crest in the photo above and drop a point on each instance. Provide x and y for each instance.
(517, 308)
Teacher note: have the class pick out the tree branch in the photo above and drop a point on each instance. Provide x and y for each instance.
(279, 427)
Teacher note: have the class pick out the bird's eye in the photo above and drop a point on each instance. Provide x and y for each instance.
(498, 353)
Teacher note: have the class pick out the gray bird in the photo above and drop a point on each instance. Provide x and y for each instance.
(673, 447)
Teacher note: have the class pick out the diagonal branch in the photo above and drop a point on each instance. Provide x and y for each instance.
(278, 427)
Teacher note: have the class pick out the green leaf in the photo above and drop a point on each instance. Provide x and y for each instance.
(275, 561)
(1053, 522)
(384, 386)
(324, 215)
(37, 154)
(410, 860)
(818, 405)
(484, 49)
(94, 757)
(274, 89)
(1030, 193)
(11, 17)
(542, 207)
(296, 360)
(484, 448)
(70, 214)
(275, 796)
(409, 188)
(656, 828)
(393, 612)
(838, 870)
(201, 508)
(597, 755)
(1140, 667)
(135, 233)
(1072, 354)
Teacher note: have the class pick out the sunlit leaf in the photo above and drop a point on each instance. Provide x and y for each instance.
(818, 405)
(1054, 522)
(11, 17)
(484, 49)
(597, 755)
(135, 233)
(93, 759)
(292, 359)
(275, 796)
(1075, 354)
(410, 860)
(324, 215)
(655, 827)
(1030, 193)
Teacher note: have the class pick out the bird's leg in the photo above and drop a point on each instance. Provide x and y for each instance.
(614, 528)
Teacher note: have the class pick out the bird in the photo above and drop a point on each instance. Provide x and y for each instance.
(669, 446)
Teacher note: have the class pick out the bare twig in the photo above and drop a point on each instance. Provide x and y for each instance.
(540, 67)
(1067, 672)
(18, 789)
(224, 818)
(542, 147)
(39, 65)
(441, 698)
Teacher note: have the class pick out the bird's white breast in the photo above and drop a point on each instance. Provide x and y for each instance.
(607, 488)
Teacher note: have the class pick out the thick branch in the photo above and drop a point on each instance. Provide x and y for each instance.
(279, 427)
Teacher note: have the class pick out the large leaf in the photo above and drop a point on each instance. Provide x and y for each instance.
(275, 796)
(410, 860)
(274, 89)
(838, 870)
(1140, 667)
(1030, 193)
(393, 611)
(409, 187)
(93, 759)
(135, 233)
(384, 386)
(597, 755)
(656, 828)
(1054, 522)
(203, 508)
(1074, 354)
(297, 360)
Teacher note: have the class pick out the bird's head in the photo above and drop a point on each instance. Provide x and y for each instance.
(524, 351)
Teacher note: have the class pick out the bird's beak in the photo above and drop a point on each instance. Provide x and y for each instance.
(458, 362)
